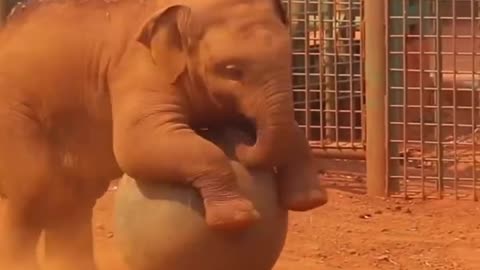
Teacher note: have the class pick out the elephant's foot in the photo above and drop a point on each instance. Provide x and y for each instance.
(19, 239)
(304, 200)
(225, 206)
(69, 242)
(300, 189)
(230, 215)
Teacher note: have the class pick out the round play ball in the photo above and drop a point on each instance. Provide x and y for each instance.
(161, 226)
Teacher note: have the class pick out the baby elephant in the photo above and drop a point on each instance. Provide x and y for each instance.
(93, 89)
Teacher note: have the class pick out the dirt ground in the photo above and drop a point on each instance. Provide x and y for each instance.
(356, 232)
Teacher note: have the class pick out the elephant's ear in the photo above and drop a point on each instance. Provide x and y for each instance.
(280, 10)
(166, 35)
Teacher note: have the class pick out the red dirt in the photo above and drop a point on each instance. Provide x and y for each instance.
(356, 232)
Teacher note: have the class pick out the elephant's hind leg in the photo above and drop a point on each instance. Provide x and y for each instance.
(19, 235)
(26, 170)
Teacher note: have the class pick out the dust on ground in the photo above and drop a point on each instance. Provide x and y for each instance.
(356, 232)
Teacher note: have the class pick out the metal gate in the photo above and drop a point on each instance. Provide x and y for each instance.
(413, 70)
(433, 102)
(327, 74)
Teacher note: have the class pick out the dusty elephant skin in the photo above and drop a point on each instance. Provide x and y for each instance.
(90, 89)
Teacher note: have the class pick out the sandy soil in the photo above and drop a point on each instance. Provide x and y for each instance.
(356, 232)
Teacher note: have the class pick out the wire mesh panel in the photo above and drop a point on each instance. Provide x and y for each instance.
(327, 71)
(433, 101)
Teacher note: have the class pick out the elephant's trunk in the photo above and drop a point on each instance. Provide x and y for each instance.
(278, 135)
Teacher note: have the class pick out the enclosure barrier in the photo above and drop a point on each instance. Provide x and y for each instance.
(327, 75)
(329, 85)
(433, 100)
(375, 83)
(411, 67)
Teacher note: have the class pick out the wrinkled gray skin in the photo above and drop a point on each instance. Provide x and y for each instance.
(91, 89)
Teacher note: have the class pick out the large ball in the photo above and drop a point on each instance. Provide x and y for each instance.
(161, 226)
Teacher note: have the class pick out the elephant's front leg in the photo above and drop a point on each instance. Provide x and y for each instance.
(173, 152)
(69, 240)
(286, 148)
(299, 185)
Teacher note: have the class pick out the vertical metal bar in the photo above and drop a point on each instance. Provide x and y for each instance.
(336, 69)
(362, 72)
(330, 87)
(405, 30)
(439, 82)
(474, 97)
(298, 54)
(322, 71)
(454, 98)
(375, 72)
(422, 107)
(307, 67)
(351, 35)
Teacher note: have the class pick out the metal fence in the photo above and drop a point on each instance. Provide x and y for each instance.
(420, 98)
(327, 74)
(433, 102)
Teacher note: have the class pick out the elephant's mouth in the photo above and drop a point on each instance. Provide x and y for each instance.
(238, 122)
(246, 125)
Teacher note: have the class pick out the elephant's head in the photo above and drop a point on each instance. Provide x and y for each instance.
(231, 58)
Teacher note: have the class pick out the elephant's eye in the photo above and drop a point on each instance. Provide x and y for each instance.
(231, 72)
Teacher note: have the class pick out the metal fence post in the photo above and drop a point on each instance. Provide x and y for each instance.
(375, 85)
